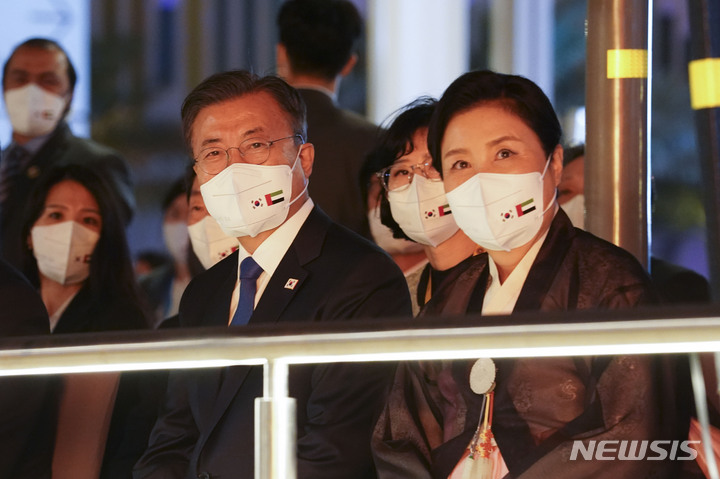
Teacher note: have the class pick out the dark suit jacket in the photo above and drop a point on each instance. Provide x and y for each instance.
(207, 425)
(87, 314)
(342, 139)
(61, 148)
(28, 405)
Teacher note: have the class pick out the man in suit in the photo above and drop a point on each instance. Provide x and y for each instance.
(246, 135)
(316, 50)
(38, 83)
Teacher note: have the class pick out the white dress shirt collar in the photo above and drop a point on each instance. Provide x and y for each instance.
(501, 298)
(271, 251)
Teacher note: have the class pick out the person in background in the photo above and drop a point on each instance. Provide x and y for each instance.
(408, 255)
(164, 286)
(676, 284)
(149, 260)
(496, 141)
(209, 242)
(316, 50)
(571, 189)
(38, 82)
(412, 202)
(294, 264)
(28, 404)
(75, 250)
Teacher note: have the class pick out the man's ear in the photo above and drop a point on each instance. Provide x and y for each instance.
(352, 61)
(307, 158)
(556, 163)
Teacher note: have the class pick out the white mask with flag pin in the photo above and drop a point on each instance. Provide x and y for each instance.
(63, 251)
(209, 241)
(247, 199)
(422, 212)
(500, 211)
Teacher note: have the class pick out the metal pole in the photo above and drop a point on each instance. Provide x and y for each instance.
(704, 75)
(617, 145)
(701, 407)
(275, 433)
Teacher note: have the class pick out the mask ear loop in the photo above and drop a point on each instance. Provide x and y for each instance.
(542, 177)
(547, 164)
(307, 180)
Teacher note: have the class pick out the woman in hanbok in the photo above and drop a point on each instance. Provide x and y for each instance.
(496, 141)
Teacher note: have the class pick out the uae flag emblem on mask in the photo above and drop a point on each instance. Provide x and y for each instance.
(525, 207)
(274, 198)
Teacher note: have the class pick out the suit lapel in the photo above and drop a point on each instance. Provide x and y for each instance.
(291, 274)
(285, 283)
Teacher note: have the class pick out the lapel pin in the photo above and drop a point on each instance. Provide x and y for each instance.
(291, 283)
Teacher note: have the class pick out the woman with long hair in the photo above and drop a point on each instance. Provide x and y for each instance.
(77, 254)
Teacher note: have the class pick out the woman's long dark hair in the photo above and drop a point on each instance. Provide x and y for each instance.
(111, 274)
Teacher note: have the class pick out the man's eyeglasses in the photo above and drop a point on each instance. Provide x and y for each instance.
(399, 176)
(253, 150)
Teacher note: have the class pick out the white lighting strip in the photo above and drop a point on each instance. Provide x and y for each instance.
(140, 366)
(697, 334)
(589, 350)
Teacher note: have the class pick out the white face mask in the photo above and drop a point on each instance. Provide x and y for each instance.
(422, 212)
(500, 211)
(63, 251)
(176, 240)
(383, 236)
(209, 241)
(34, 111)
(248, 199)
(575, 209)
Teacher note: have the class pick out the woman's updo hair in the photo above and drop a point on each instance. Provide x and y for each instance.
(518, 94)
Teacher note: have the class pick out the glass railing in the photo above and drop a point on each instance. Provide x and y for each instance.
(277, 346)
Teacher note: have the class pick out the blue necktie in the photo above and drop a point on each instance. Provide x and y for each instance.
(249, 273)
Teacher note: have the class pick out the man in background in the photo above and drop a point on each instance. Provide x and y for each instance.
(316, 50)
(38, 83)
(676, 284)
